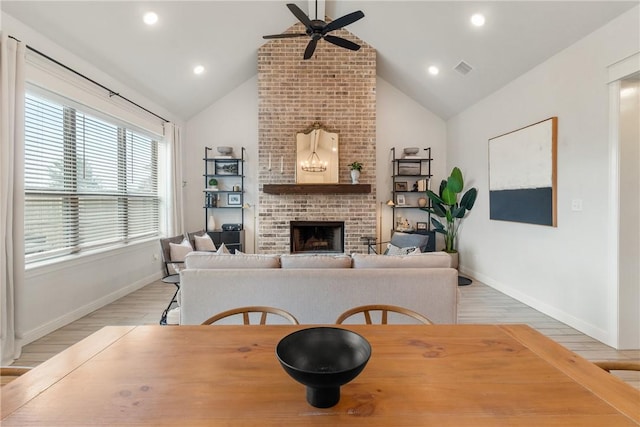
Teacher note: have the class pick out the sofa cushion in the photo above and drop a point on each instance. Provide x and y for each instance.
(206, 260)
(423, 260)
(315, 261)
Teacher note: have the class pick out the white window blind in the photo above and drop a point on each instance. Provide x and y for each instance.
(88, 183)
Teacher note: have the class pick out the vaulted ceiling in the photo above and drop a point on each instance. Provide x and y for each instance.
(224, 37)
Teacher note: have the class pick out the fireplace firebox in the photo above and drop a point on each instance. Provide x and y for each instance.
(316, 237)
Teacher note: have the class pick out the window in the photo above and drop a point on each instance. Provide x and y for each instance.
(89, 183)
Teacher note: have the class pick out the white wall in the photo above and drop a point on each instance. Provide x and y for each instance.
(401, 123)
(54, 295)
(233, 120)
(560, 271)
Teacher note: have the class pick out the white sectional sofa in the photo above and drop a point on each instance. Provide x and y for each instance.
(316, 289)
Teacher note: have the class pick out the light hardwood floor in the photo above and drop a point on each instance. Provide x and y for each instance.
(478, 303)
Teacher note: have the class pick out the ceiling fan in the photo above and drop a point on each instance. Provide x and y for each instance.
(318, 29)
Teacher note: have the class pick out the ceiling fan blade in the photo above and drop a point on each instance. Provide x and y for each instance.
(339, 41)
(284, 36)
(343, 21)
(311, 47)
(299, 14)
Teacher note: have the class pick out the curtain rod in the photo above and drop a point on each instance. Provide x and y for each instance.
(111, 92)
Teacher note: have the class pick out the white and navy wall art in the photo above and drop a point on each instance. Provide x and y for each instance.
(522, 174)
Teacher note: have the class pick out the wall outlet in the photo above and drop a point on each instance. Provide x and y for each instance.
(576, 205)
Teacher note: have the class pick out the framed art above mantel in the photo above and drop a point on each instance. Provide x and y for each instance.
(523, 174)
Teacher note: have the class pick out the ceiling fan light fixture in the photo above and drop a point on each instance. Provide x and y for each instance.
(317, 29)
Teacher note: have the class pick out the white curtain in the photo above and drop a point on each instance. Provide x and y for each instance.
(175, 221)
(12, 90)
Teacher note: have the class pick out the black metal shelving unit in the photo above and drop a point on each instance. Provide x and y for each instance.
(229, 172)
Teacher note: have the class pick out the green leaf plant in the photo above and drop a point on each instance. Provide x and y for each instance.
(445, 205)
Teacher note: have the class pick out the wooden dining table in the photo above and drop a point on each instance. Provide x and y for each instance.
(418, 375)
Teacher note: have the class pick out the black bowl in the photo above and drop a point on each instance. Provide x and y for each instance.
(323, 359)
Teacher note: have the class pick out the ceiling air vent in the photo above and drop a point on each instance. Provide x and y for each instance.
(463, 68)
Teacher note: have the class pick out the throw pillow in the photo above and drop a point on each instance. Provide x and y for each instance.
(204, 243)
(223, 250)
(405, 240)
(395, 250)
(179, 251)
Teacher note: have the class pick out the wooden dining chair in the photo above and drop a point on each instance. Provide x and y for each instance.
(245, 311)
(9, 373)
(619, 365)
(384, 309)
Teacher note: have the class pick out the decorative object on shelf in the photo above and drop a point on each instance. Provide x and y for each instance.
(422, 202)
(225, 152)
(400, 200)
(411, 167)
(211, 200)
(234, 200)
(446, 205)
(410, 152)
(523, 174)
(402, 224)
(355, 168)
(213, 184)
(236, 188)
(211, 223)
(422, 226)
(226, 167)
(401, 186)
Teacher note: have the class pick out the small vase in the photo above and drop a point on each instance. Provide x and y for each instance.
(422, 202)
(355, 174)
(211, 224)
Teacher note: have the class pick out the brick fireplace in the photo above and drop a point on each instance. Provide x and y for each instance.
(337, 88)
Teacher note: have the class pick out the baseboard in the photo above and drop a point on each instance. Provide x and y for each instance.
(64, 320)
(559, 315)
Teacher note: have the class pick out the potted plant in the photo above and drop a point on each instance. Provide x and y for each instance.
(213, 184)
(446, 205)
(355, 167)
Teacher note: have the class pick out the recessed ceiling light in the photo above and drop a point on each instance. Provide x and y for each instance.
(150, 18)
(433, 70)
(478, 20)
(198, 69)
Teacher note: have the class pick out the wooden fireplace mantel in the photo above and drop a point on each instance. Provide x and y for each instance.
(317, 188)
